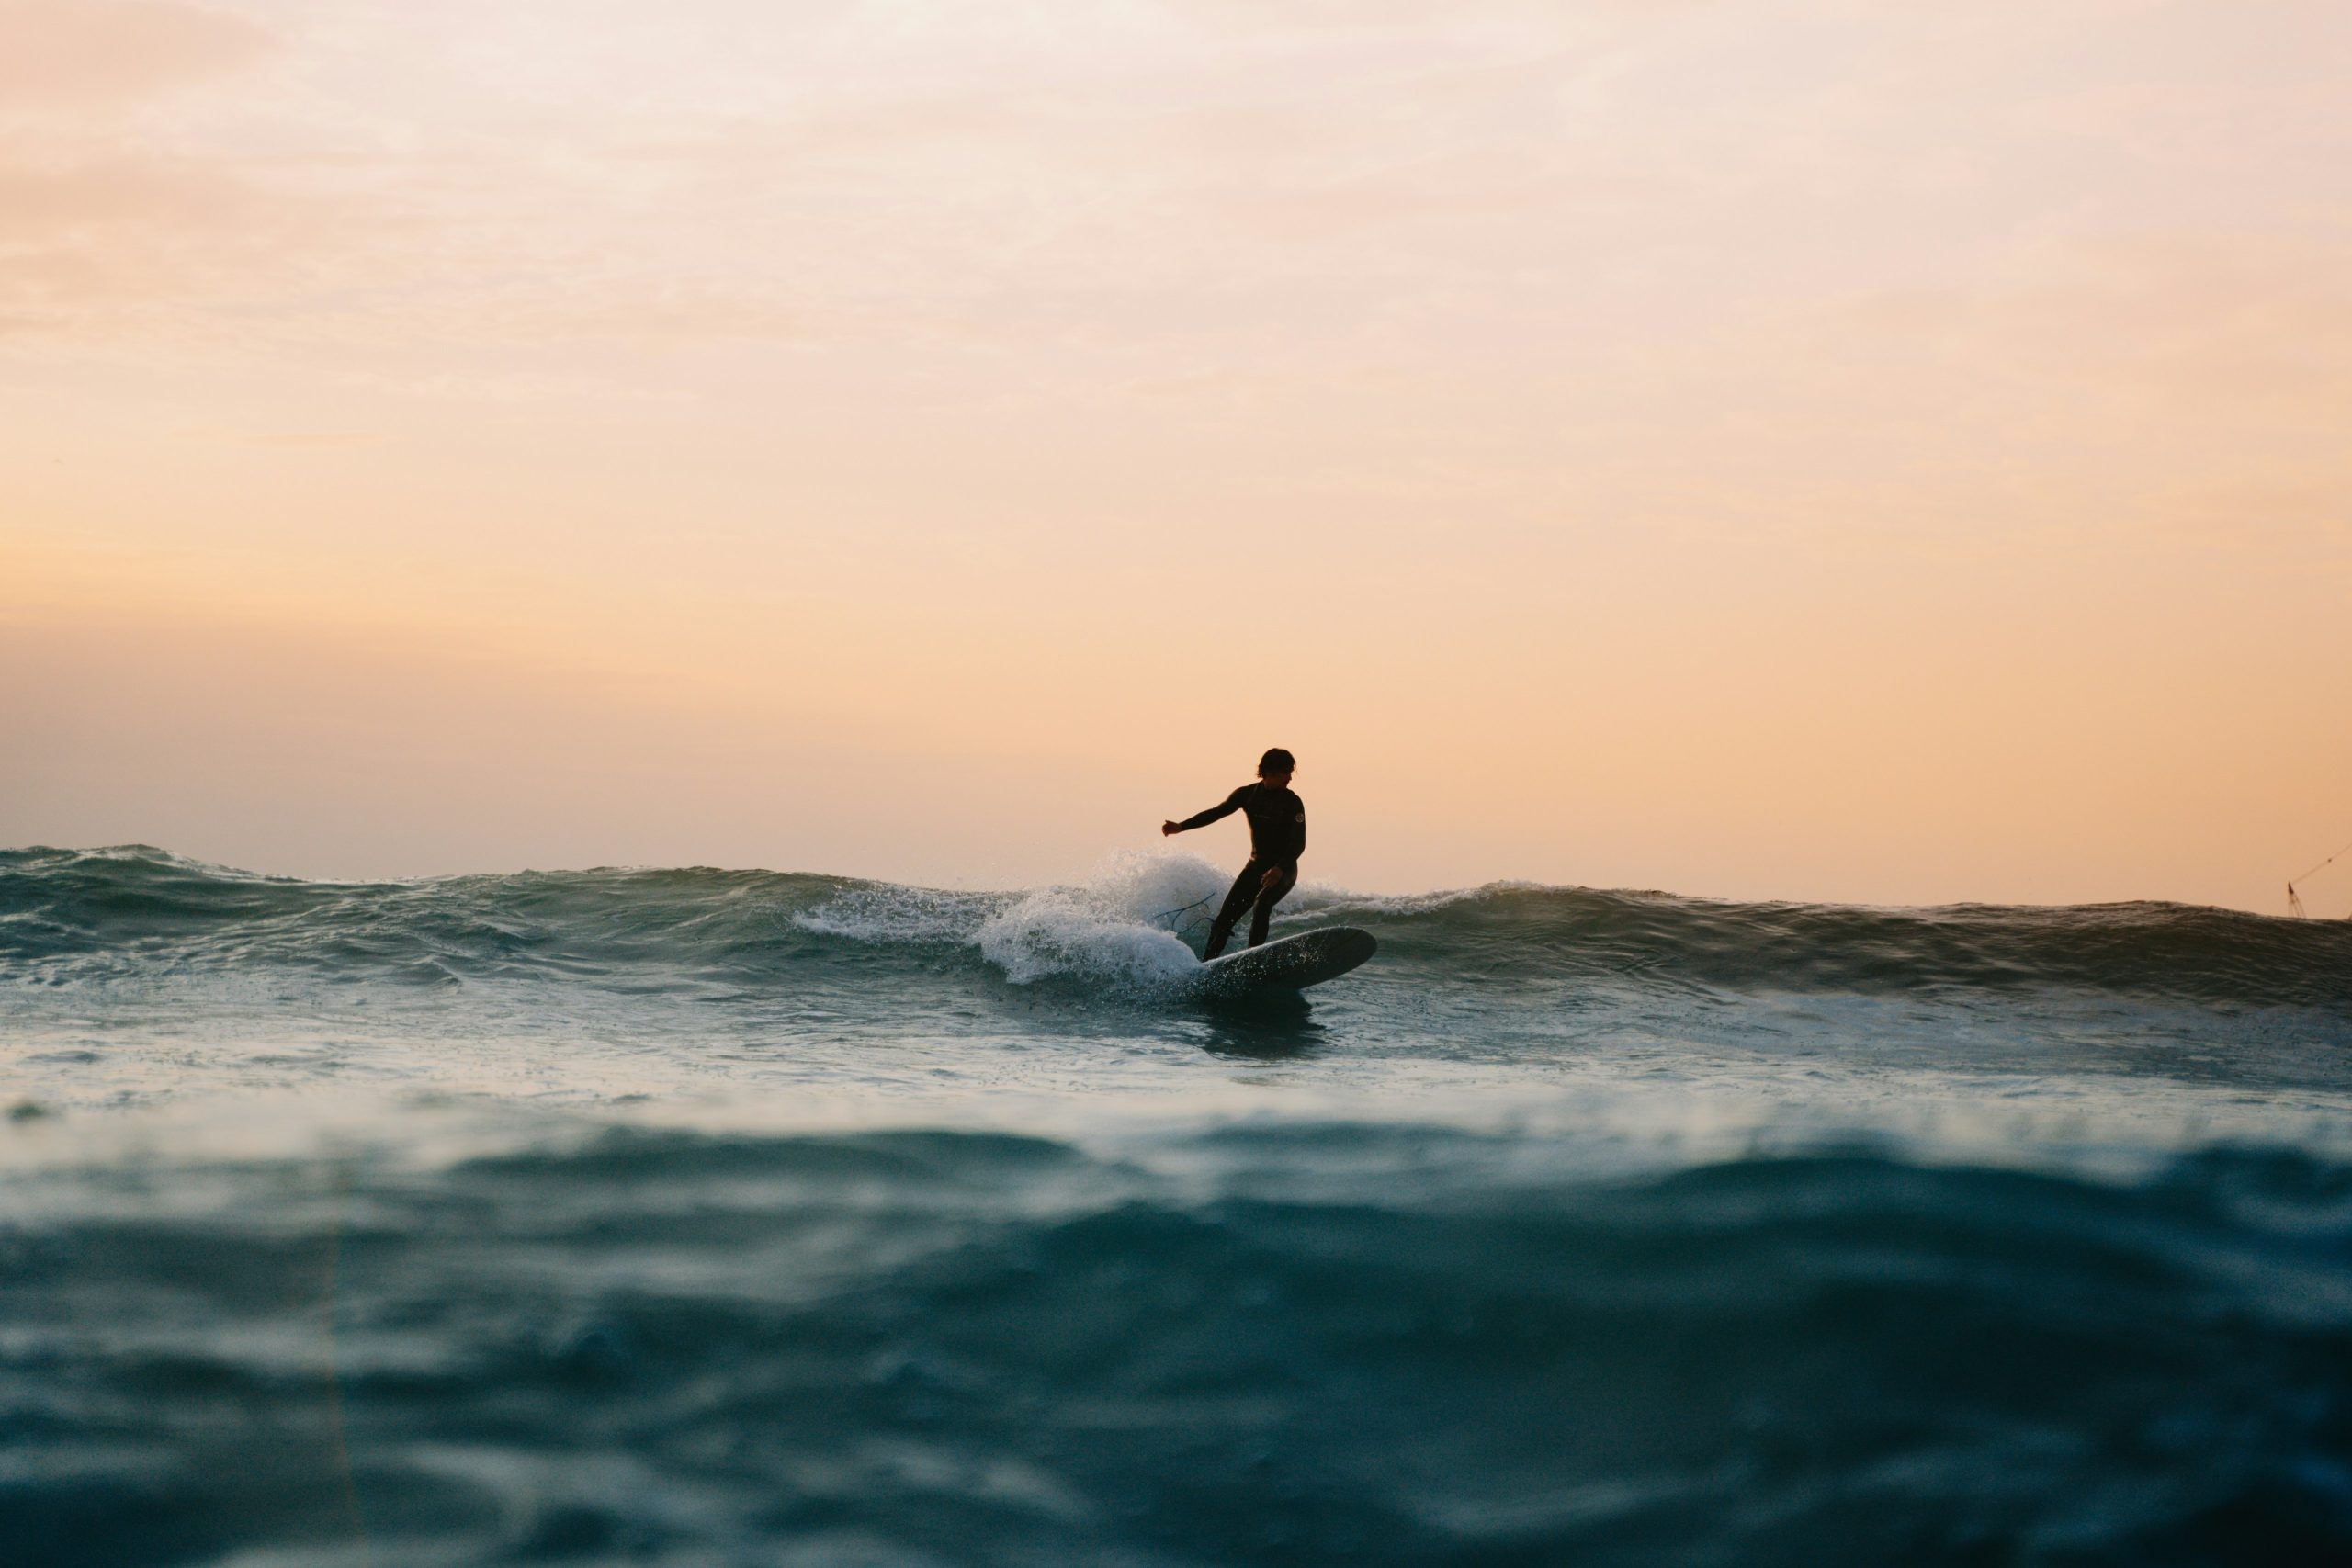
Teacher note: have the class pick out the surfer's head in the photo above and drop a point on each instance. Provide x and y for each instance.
(1276, 766)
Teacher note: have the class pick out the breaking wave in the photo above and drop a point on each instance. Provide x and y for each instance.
(1135, 924)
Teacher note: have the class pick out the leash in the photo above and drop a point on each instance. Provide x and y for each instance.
(1183, 909)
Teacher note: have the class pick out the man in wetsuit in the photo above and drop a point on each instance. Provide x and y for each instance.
(1277, 837)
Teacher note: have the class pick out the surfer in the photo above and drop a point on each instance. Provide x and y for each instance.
(1277, 837)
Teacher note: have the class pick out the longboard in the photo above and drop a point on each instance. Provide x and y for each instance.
(1291, 965)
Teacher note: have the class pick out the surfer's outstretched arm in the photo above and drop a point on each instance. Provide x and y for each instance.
(1231, 804)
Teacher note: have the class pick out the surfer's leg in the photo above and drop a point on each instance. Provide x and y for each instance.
(1263, 909)
(1245, 888)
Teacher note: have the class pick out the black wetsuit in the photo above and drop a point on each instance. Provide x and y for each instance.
(1277, 837)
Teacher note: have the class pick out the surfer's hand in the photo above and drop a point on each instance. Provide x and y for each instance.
(1168, 827)
(1271, 877)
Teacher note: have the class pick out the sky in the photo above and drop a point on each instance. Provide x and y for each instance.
(1797, 449)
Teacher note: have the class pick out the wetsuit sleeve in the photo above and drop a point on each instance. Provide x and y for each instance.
(1231, 804)
(1297, 840)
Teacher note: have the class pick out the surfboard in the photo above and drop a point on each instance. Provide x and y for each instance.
(1291, 965)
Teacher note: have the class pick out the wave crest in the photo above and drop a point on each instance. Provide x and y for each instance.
(1132, 923)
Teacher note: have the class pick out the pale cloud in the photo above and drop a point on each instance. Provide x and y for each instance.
(81, 51)
(134, 240)
(2214, 331)
(2257, 325)
(514, 172)
(112, 208)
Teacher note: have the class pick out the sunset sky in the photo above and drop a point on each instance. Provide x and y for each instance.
(1792, 449)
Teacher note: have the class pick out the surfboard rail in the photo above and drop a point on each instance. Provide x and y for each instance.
(1293, 963)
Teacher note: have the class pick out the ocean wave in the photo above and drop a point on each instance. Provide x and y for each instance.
(2154, 950)
(109, 908)
(1132, 926)
(1309, 1343)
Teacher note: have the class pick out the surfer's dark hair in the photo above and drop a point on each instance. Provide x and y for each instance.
(1276, 762)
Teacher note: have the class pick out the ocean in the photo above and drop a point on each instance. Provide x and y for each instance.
(734, 1217)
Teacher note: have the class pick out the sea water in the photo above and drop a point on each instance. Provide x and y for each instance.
(697, 1216)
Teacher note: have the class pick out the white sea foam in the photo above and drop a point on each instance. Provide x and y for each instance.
(1123, 924)
(1118, 925)
(882, 911)
(1134, 919)
(1330, 897)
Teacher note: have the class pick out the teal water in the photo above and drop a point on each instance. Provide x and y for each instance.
(717, 1217)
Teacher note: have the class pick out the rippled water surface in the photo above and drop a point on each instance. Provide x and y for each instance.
(699, 1216)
